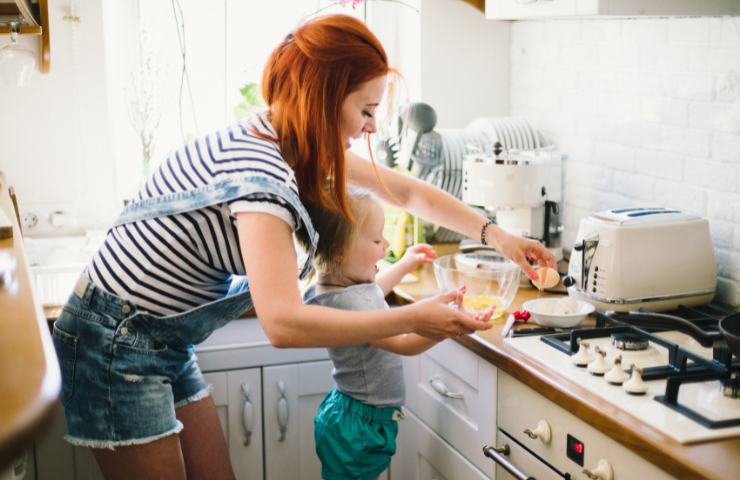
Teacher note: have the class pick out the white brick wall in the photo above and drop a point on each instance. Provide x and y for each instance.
(648, 111)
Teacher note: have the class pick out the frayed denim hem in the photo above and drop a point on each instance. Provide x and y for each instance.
(112, 444)
(206, 392)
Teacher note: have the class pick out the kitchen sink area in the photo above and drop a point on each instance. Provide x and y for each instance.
(57, 262)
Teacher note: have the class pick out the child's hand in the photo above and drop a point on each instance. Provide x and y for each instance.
(418, 255)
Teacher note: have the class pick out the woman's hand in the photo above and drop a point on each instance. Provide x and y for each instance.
(441, 317)
(522, 251)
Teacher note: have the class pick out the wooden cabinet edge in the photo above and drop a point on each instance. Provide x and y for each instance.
(29, 421)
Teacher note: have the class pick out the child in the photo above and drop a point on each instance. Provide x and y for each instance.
(355, 426)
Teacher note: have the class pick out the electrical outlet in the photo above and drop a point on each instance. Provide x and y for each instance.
(30, 220)
(49, 219)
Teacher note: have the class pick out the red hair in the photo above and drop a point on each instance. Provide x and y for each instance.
(306, 80)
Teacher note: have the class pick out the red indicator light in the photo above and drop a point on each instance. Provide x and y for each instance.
(575, 449)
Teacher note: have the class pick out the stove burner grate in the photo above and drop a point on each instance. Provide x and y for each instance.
(670, 399)
(683, 366)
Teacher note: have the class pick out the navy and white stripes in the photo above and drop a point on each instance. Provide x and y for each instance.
(170, 264)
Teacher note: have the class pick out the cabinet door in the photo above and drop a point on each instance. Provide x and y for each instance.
(292, 393)
(453, 391)
(22, 468)
(238, 398)
(423, 455)
(58, 460)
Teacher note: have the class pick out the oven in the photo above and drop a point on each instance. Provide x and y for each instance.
(671, 375)
(538, 439)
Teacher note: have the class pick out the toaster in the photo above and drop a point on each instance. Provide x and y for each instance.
(651, 258)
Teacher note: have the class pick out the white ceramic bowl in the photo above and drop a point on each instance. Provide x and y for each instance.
(562, 312)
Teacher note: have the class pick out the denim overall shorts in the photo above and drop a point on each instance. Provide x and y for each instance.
(125, 371)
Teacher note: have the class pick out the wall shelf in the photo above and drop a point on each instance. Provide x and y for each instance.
(34, 20)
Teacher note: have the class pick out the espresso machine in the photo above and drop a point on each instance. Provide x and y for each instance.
(502, 165)
(521, 188)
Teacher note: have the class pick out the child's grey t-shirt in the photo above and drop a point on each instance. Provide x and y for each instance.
(366, 373)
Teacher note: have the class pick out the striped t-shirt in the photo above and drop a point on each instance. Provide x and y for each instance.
(174, 263)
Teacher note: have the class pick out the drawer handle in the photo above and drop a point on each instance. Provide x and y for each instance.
(282, 411)
(499, 454)
(247, 415)
(19, 468)
(440, 387)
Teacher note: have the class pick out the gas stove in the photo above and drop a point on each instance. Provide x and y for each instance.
(669, 380)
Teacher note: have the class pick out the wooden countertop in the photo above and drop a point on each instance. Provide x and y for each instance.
(29, 372)
(711, 460)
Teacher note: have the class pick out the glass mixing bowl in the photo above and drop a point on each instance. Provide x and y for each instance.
(490, 279)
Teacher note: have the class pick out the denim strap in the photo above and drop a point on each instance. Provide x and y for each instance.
(216, 193)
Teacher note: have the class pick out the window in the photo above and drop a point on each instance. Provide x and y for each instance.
(224, 45)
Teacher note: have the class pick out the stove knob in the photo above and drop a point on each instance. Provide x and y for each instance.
(542, 431)
(635, 385)
(598, 365)
(603, 471)
(582, 357)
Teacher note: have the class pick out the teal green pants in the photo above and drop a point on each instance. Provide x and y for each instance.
(354, 441)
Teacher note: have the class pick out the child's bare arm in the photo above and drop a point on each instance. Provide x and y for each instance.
(405, 344)
(414, 256)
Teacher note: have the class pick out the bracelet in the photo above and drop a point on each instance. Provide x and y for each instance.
(483, 232)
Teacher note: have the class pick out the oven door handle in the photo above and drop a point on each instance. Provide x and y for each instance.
(499, 454)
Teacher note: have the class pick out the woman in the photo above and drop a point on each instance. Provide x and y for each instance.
(228, 204)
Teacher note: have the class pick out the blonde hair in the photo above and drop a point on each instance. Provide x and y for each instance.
(336, 232)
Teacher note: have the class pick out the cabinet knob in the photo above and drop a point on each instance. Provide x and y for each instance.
(541, 431)
(603, 471)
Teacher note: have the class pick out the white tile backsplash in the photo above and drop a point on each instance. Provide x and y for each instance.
(647, 111)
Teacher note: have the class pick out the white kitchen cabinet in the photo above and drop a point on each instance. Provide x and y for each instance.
(268, 413)
(58, 460)
(244, 370)
(424, 455)
(452, 392)
(238, 398)
(292, 394)
(529, 9)
(20, 469)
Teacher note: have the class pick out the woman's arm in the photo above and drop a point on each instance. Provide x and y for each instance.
(271, 264)
(407, 344)
(438, 206)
